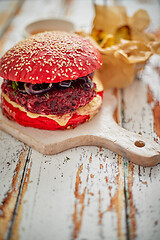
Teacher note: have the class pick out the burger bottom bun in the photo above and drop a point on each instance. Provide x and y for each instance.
(14, 113)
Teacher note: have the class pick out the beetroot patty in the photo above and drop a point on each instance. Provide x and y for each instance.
(57, 101)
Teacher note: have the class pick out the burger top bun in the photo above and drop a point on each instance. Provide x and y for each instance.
(50, 57)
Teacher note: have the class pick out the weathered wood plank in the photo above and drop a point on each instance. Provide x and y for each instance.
(141, 115)
(13, 156)
(73, 195)
(82, 14)
(72, 211)
(79, 194)
(13, 159)
(7, 11)
(13, 153)
(142, 184)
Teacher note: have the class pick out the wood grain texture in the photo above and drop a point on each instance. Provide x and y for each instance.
(13, 154)
(12, 165)
(72, 192)
(86, 192)
(143, 198)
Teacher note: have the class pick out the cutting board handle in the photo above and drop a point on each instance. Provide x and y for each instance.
(132, 146)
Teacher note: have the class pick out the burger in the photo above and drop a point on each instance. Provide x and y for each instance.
(49, 83)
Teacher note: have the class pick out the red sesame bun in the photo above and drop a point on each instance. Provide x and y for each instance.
(50, 57)
(38, 88)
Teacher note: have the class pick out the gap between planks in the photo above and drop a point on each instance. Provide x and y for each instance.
(10, 230)
(128, 182)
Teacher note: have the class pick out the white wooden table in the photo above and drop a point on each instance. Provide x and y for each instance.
(86, 193)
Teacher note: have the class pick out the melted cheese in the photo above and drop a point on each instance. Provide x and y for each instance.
(99, 85)
(90, 109)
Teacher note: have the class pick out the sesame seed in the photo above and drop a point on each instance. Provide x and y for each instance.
(65, 53)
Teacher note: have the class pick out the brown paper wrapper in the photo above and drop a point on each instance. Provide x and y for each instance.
(116, 73)
(122, 60)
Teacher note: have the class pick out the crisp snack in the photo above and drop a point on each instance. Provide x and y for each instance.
(122, 42)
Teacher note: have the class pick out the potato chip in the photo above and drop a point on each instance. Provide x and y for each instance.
(108, 41)
(98, 35)
(123, 32)
(155, 47)
(133, 51)
(124, 45)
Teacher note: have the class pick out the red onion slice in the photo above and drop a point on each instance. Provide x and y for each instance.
(65, 84)
(33, 90)
(26, 87)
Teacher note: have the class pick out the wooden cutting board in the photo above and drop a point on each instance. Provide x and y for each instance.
(102, 130)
